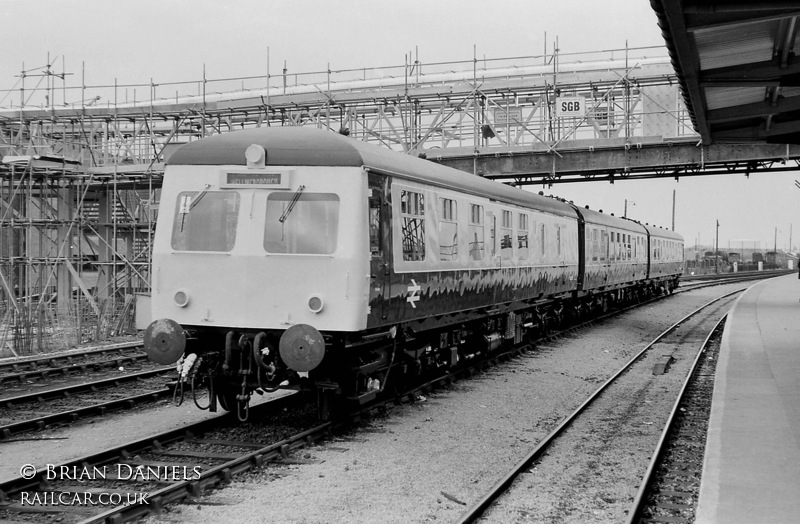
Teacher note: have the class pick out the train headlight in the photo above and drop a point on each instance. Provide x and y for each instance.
(255, 155)
(315, 303)
(181, 298)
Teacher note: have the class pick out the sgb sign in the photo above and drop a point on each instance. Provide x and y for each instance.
(570, 106)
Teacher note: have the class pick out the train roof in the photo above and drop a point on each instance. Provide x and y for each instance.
(597, 218)
(659, 232)
(302, 146)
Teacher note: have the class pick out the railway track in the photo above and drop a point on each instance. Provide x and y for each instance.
(671, 486)
(503, 487)
(18, 371)
(23, 413)
(690, 283)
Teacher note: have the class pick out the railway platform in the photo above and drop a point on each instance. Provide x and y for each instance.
(752, 462)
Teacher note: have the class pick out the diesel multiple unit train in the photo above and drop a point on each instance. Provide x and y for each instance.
(294, 257)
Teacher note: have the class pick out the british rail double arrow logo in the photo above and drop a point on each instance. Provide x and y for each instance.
(414, 290)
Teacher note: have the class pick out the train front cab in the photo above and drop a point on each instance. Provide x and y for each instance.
(254, 268)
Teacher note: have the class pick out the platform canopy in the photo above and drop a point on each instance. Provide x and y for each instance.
(737, 67)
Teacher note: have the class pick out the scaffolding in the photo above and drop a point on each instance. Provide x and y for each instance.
(414, 107)
(74, 251)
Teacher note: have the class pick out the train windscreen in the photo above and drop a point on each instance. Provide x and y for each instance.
(302, 223)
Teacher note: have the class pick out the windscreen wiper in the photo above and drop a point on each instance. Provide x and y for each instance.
(292, 202)
(199, 197)
(185, 211)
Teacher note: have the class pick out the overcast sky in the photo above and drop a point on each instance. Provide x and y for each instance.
(172, 40)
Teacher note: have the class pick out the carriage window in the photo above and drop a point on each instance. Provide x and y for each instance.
(603, 246)
(476, 232)
(448, 209)
(412, 212)
(522, 237)
(302, 223)
(613, 255)
(506, 236)
(558, 240)
(448, 229)
(542, 238)
(205, 221)
(507, 219)
(622, 253)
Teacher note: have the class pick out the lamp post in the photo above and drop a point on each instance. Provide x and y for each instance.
(775, 247)
(625, 211)
(716, 251)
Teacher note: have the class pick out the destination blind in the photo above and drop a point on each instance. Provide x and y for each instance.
(254, 179)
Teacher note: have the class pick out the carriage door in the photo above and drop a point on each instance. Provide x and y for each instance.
(380, 231)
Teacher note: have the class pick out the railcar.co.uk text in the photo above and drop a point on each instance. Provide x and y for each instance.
(124, 472)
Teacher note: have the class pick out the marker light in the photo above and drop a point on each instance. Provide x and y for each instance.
(315, 304)
(181, 298)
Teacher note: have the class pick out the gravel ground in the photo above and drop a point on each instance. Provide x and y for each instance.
(426, 461)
